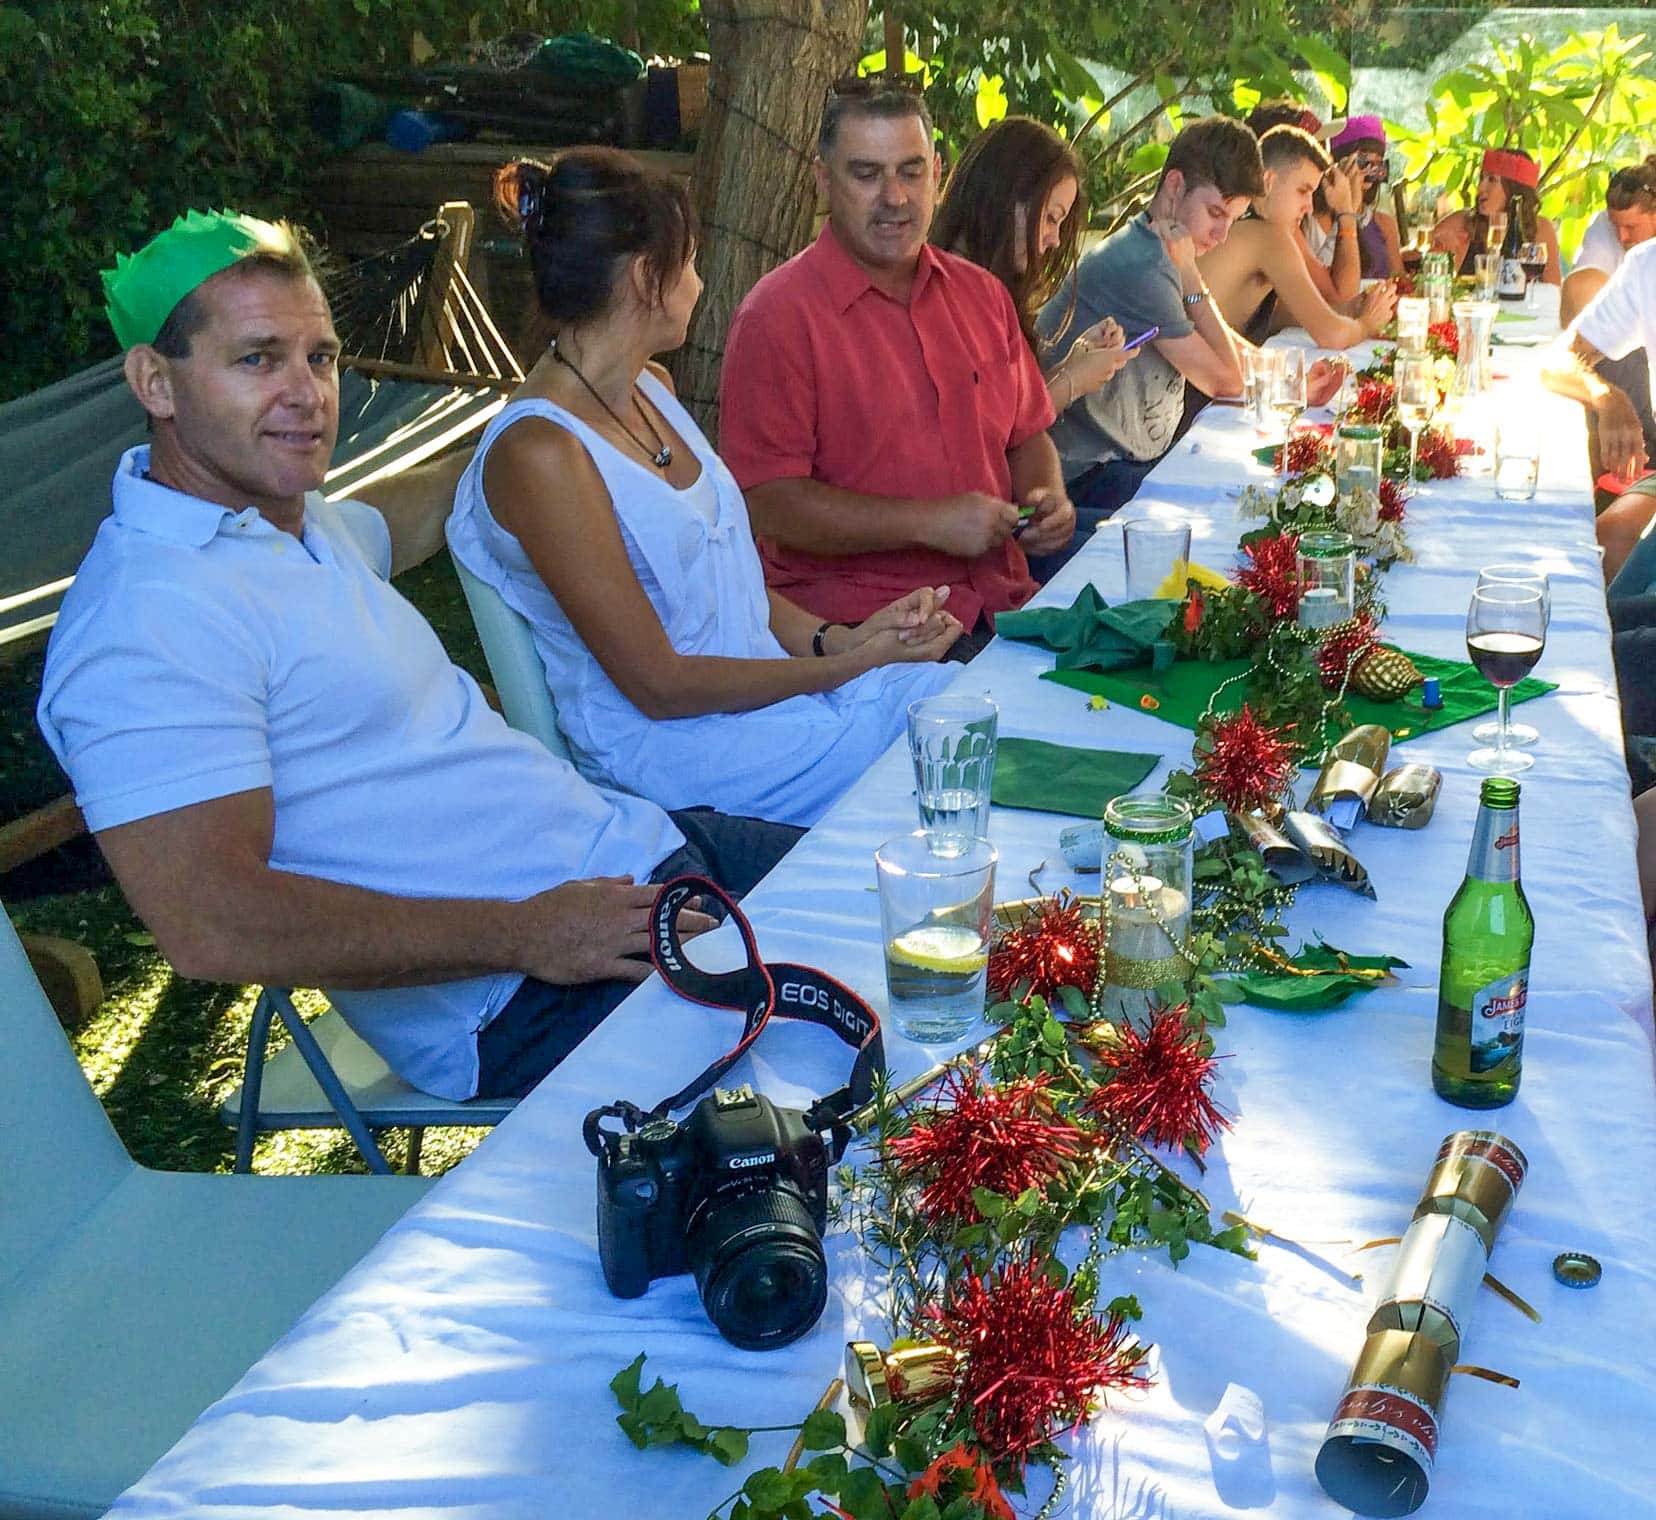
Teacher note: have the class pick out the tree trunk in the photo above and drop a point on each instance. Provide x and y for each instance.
(773, 61)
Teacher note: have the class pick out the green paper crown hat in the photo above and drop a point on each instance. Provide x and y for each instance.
(142, 289)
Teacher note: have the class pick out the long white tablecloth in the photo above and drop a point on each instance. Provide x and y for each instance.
(461, 1369)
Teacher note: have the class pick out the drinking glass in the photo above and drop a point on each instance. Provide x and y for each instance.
(1533, 258)
(1517, 457)
(1155, 548)
(1486, 275)
(952, 742)
(1506, 630)
(1495, 234)
(1523, 735)
(1413, 313)
(935, 910)
(1288, 394)
(1415, 377)
(1266, 362)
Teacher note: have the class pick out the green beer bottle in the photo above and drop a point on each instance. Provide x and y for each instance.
(1483, 983)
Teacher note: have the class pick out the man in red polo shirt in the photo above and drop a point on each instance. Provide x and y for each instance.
(879, 404)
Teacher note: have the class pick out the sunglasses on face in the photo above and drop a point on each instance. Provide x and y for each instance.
(860, 86)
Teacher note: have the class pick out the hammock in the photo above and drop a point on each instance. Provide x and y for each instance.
(425, 367)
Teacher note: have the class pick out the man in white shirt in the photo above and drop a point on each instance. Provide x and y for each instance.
(1628, 219)
(290, 780)
(1618, 320)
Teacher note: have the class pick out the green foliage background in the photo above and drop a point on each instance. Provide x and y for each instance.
(120, 114)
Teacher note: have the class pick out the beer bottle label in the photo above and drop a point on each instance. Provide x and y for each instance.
(1498, 1020)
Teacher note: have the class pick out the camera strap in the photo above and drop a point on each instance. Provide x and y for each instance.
(760, 992)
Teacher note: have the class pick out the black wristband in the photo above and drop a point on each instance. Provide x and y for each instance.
(816, 640)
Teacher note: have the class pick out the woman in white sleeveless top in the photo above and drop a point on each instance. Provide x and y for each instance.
(597, 508)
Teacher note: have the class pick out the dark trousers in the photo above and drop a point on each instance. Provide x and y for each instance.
(542, 1023)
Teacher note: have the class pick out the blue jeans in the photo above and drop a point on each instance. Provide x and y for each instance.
(544, 1022)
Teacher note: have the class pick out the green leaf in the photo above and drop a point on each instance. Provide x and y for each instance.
(879, 1428)
(1074, 1001)
(768, 1488)
(828, 1471)
(990, 1205)
(660, 1404)
(1325, 60)
(823, 1430)
(624, 1385)
(863, 1494)
(922, 1508)
(1127, 1306)
(727, 1446)
(912, 1455)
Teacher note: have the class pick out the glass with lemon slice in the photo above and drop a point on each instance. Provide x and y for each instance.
(935, 907)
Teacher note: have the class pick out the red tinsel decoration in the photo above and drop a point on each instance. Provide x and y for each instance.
(1374, 400)
(1439, 453)
(1307, 451)
(1443, 340)
(1031, 1358)
(1243, 764)
(1054, 947)
(1158, 1090)
(1393, 500)
(1005, 1139)
(1272, 574)
(1343, 648)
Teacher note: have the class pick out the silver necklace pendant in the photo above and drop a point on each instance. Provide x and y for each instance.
(663, 457)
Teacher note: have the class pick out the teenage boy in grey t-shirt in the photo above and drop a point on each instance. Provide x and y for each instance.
(1144, 275)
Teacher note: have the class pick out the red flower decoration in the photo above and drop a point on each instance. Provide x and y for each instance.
(1055, 947)
(1194, 608)
(1158, 1087)
(1344, 647)
(1272, 574)
(1439, 453)
(1032, 1359)
(964, 1460)
(1393, 500)
(1443, 339)
(1243, 764)
(1005, 1139)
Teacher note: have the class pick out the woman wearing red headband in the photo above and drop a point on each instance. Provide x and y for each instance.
(1506, 187)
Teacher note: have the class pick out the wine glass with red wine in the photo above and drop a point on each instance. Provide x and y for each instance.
(1532, 257)
(1506, 630)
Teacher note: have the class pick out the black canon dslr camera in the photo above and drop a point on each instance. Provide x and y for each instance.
(738, 1195)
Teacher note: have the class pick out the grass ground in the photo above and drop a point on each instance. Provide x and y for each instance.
(163, 1052)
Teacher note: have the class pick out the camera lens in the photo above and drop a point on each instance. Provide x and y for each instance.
(759, 1267)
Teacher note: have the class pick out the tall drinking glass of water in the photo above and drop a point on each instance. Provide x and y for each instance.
(1157, 554)
(1517, 457)
(935, 910)
(952, 741)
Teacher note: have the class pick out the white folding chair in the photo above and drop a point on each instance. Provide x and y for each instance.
(514, 662)
(328, 1077)
(131, 1299)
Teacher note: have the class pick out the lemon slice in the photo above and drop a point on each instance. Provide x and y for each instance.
(949, 948)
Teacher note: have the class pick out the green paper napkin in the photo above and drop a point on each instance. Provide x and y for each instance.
(1182, 694)
(1058, 778)
(1089, 634)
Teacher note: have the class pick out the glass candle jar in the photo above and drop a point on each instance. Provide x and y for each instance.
(1357, 457)
(1147, 881)
(1328, 579)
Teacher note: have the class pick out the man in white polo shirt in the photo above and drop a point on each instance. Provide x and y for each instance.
(291, 781)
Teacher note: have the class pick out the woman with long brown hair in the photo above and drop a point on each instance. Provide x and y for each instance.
(1507, 186)
(1015, 205)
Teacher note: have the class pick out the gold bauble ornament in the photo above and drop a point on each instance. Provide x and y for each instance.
(1384, 675)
